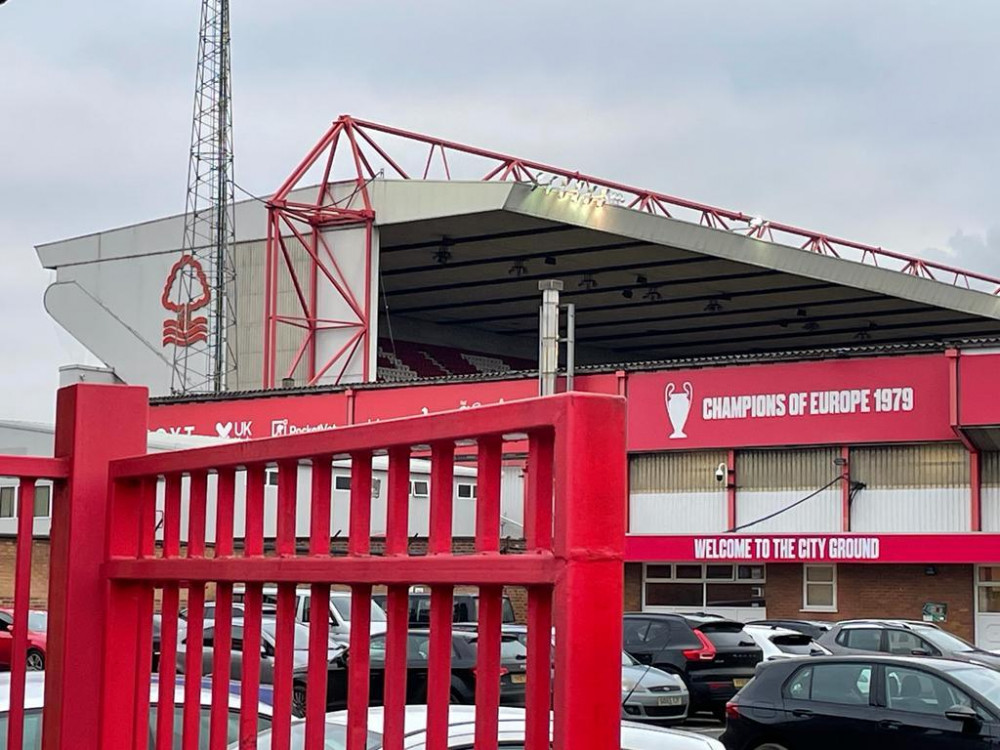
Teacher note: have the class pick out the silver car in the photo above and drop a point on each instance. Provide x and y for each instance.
(650, 694)
(462, 730)
(300, 654)
(34, 700)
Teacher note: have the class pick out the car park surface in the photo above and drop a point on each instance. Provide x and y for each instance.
(869, 702)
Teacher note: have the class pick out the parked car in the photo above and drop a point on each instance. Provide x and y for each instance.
(513, 657)
(715, 657)
(157, 626)
(649, 694)
(813, 628)
(465, 605)
(268, 627)
(340, 609)
(782, 643)
(904, 638)
(462, 730)
(34, 700)
(866, 703)
(35, 657)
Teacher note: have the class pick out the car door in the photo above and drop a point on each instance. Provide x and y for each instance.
(905, 643)
(912, 705)
(828, 706)
(6, 639)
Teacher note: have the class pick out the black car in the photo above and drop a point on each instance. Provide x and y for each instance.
(903, 638)
(513, 663)
(715, 657)
(866, 703)
(465, 608)
(813, 628)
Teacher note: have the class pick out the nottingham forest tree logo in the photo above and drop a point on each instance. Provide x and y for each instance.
(186, 290)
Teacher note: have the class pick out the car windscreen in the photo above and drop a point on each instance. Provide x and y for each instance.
(343, 606)
(511, 648)
(946, 641)
(984, 681)
(301, 633)
(725, 634)
(798, 643)
(628, 661)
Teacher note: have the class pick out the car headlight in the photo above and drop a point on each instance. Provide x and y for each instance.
(631, 686)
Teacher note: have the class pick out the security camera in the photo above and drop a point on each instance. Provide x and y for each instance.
(720, 473)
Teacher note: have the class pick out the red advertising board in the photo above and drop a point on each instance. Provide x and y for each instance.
(973, 547)
(798, 403)
(977, 391)
(281, 414)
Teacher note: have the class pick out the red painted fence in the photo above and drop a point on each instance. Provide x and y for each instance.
(116, 558)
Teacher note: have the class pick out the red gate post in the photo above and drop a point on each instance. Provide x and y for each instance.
(590, 502)
(94, 424)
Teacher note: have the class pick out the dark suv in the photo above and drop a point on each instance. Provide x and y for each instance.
(715, 657)
(903, 638)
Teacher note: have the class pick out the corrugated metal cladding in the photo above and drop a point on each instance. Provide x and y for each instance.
(770, 480)
(911, 488)
(676, 493)
(249, 260)
(677, 471)
(990, 495)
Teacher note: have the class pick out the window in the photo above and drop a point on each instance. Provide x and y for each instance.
(420, 488)
(696, 586)
(342, 482)
(43, 496)
(920, 692)
(271, 477)
(905, 643)
(862, 639)
(7, 501)
(819, 588)
(845, 684)
(467, 491)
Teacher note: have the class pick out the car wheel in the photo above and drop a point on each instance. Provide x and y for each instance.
(35, 661)
(770, 746)
(299, 701)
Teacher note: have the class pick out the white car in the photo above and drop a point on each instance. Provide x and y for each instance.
(34, 700)
(782, 643)
(462, 731)
(340, 609)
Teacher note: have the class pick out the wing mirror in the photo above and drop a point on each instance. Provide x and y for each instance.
(967, 716)
(920, 652)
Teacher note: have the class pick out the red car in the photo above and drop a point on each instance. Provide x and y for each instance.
(36, 644)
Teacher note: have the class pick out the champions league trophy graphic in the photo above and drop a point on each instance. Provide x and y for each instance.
(678, 408)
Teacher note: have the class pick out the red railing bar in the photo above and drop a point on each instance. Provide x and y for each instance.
(488, 475)
(144, 627)
(253, 551)
(397, 609)
(223, 623)
(463, 570)
(319, 605)
(168, 617)
(498, 419)
(359, 544)
(22, 602)
(34, 466)
(196, 614)
(284, 646)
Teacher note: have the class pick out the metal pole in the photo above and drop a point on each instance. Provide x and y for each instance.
(570, 344)
(548, 327)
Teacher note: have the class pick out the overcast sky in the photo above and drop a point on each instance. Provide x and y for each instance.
(872, 120)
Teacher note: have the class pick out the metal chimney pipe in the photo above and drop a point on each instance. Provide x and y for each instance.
(548, 334)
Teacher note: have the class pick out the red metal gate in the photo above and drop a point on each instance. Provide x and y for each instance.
(109, 568)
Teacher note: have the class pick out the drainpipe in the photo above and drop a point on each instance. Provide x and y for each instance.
(548, 335)
(975, 465)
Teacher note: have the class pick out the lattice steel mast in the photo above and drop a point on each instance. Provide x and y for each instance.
(204, 356)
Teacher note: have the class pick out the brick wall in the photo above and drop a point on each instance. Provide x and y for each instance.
(881, 591)
(39, 572)
(633, 587)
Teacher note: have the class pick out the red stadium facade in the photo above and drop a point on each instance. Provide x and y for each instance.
(782, 430)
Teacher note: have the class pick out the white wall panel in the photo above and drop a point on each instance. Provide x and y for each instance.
(911, 509)
(990, 496)
(677, 512)
(821, 513)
